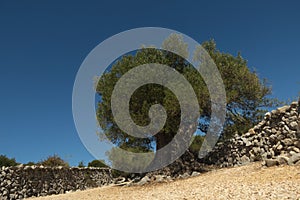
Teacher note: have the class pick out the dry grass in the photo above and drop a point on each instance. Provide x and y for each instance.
(246, 182)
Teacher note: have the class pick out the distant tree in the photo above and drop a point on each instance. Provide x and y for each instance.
(30, 163)
(97, 163)
(54, 161)
(7, 162)
(81, 164)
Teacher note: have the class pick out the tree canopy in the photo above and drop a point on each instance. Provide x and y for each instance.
(247, 96)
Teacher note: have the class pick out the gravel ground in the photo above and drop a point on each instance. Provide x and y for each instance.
(246, 182)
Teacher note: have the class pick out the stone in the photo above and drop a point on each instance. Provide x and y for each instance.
(120, 180)
(274, 113)
(297, 144)
(296, 149)
(293, 125)
(4, 193)
(169, 178)
(159, 178)
(268, 115)
(287, 142)
(279, 147)
(271, 162)
(283, 109)
(136, 179)
(282, 160)
(273, 137)
(286, 128)
(293, 119)
(256, 150)
(246, 142)
(251, 131)
(144, 180)
(185, 175)
(294, 104)
(244, 160)
(294, 158)
(195, 174)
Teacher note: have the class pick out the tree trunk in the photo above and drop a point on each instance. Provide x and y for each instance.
(162, 139)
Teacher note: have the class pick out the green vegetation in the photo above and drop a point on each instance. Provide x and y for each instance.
(247, 96)
(54, 161)
(97, 163)
(81, 164)
(7, 162)
(196, 144)
(30, 163)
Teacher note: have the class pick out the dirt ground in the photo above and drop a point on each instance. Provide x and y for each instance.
(246, 182)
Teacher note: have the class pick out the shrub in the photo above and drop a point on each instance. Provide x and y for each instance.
(81, 164)
(54, 161)
(97, 163)
(30, 163)
(7, 162)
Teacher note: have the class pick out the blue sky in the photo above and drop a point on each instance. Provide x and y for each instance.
(43, 43)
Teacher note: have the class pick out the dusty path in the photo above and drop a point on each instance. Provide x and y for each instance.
(247, 182)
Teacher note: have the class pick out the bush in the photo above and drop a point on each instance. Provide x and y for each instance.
(81, 164)
(30, 163)
(97, 163)
(7, 162)
(54, 161)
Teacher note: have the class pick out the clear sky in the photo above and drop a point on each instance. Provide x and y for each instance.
(43, 43)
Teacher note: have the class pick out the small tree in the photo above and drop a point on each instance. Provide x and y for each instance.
(81, 164)
(54, 161)
(7, 162)
(97, 163)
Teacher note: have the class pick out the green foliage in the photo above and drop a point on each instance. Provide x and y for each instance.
(54, 161)
(247, 96)
(196, 144)
(143, 98)
(30, 163)
(81, 164)
(97, 163)
(7, 162)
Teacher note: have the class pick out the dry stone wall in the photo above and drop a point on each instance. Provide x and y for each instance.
(21, 182)
(275, 140)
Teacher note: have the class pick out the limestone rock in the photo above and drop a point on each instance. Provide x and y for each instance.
(271, 162)
(195, 174)
(144, 180)
(295, 158)
(245, 160)
(294, 125)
